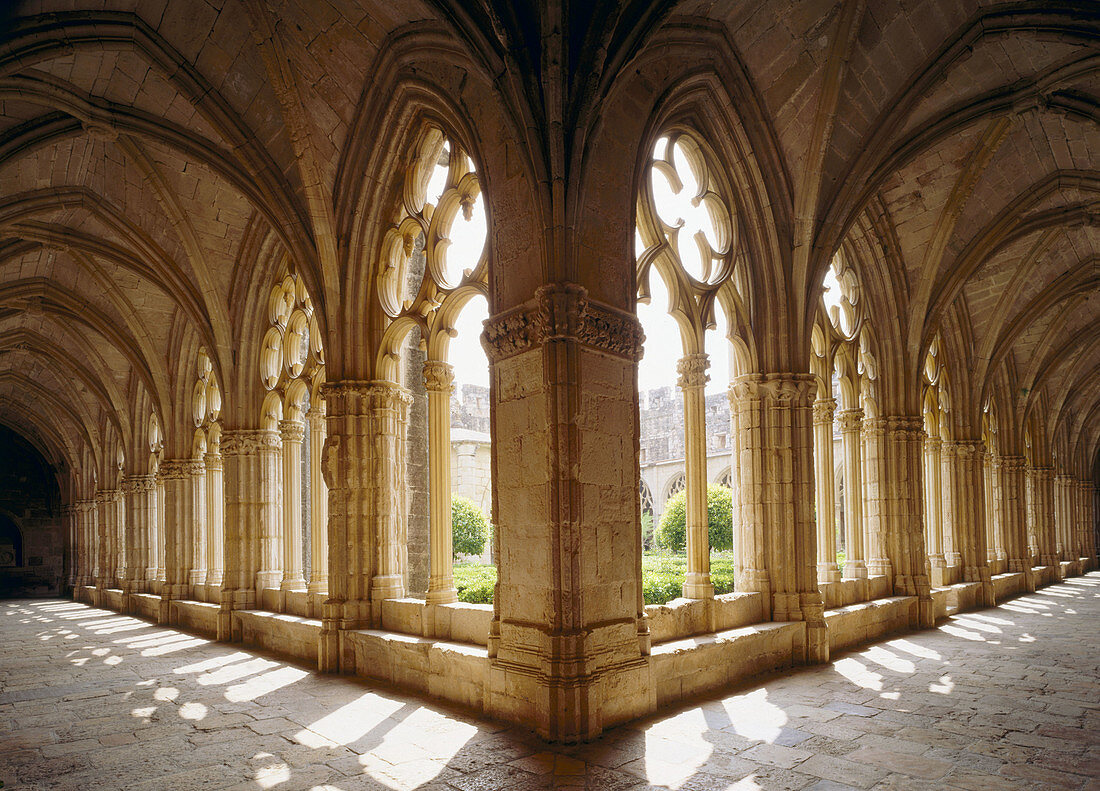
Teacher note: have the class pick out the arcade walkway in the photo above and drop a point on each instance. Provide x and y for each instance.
(1007, 698)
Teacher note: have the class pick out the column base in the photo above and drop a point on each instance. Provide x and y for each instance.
(297, 584)
(697, 585)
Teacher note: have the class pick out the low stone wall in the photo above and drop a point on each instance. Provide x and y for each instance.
(145, 605)
(446, 670)
(459, 622)
(866, 621)
(683, 668)
(194, 616)
(1005, 586)
(682, 618)
(288, 635)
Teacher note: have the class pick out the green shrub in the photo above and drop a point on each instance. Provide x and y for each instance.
(672, 532)
(475, 582)
(647, 530)
(469, 527)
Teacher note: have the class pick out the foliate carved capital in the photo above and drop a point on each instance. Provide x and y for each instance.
(213, 461)
(291, 431)
(249, 442)
(104, 496)
(133, 484)
(967, 448)
(177, 469)
(563, 311)
(85, 506)
(1013, 463)
(824, 409)
(786, 389)
(352, 397)
(895, 427)
(439, 377)
(850, 419)
(692, 369)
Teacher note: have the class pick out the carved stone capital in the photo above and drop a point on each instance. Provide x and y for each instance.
(106, 496)
(562, 311)
(213, 461)
(248, 442)
(176, 469)
(133, 484)
(824, 409)
(967, 448)
(895, 427)
(354, 397)
(291, 431)
(850, 419)
(692, 369)
(787, 389)
(439, 377)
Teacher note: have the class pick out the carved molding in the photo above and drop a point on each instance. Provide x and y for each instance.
(896, 427)
(562, 311)
(213, 461)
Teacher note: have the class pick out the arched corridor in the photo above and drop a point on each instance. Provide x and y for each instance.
(379, 335)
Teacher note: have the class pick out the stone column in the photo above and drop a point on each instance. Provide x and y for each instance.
(215, 519)
(1089, 495)
(363, 463)
(269, 575)
(879, 503)
(933, 488)
(1032, 517)
(1044, 528)
(86, 529)
(970, 517)
(989, 499)
(952, 545)
(900, 504)
(103, 502)
(1078, 519)
(250, 467)
(692, 381)
(318, 506)
(569, 635)
(1013, 471)
(69, 550)
(851, 421)
(1061, 548)
(137, 491)
(196, 578)
(439, 382)
(162, 512)
(778, 531)
(178, 503)
(827, 569)
(292, 432)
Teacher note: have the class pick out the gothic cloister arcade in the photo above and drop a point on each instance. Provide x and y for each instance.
(236, 239)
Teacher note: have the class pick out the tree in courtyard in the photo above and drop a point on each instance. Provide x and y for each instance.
(469, 527)
(672, 532)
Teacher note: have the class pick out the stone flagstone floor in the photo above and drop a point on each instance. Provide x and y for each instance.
(1006, 698)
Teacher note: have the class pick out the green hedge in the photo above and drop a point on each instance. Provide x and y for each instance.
(662, 577)
(475, 582)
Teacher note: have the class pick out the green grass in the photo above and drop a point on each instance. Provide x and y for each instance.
(662, 577)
